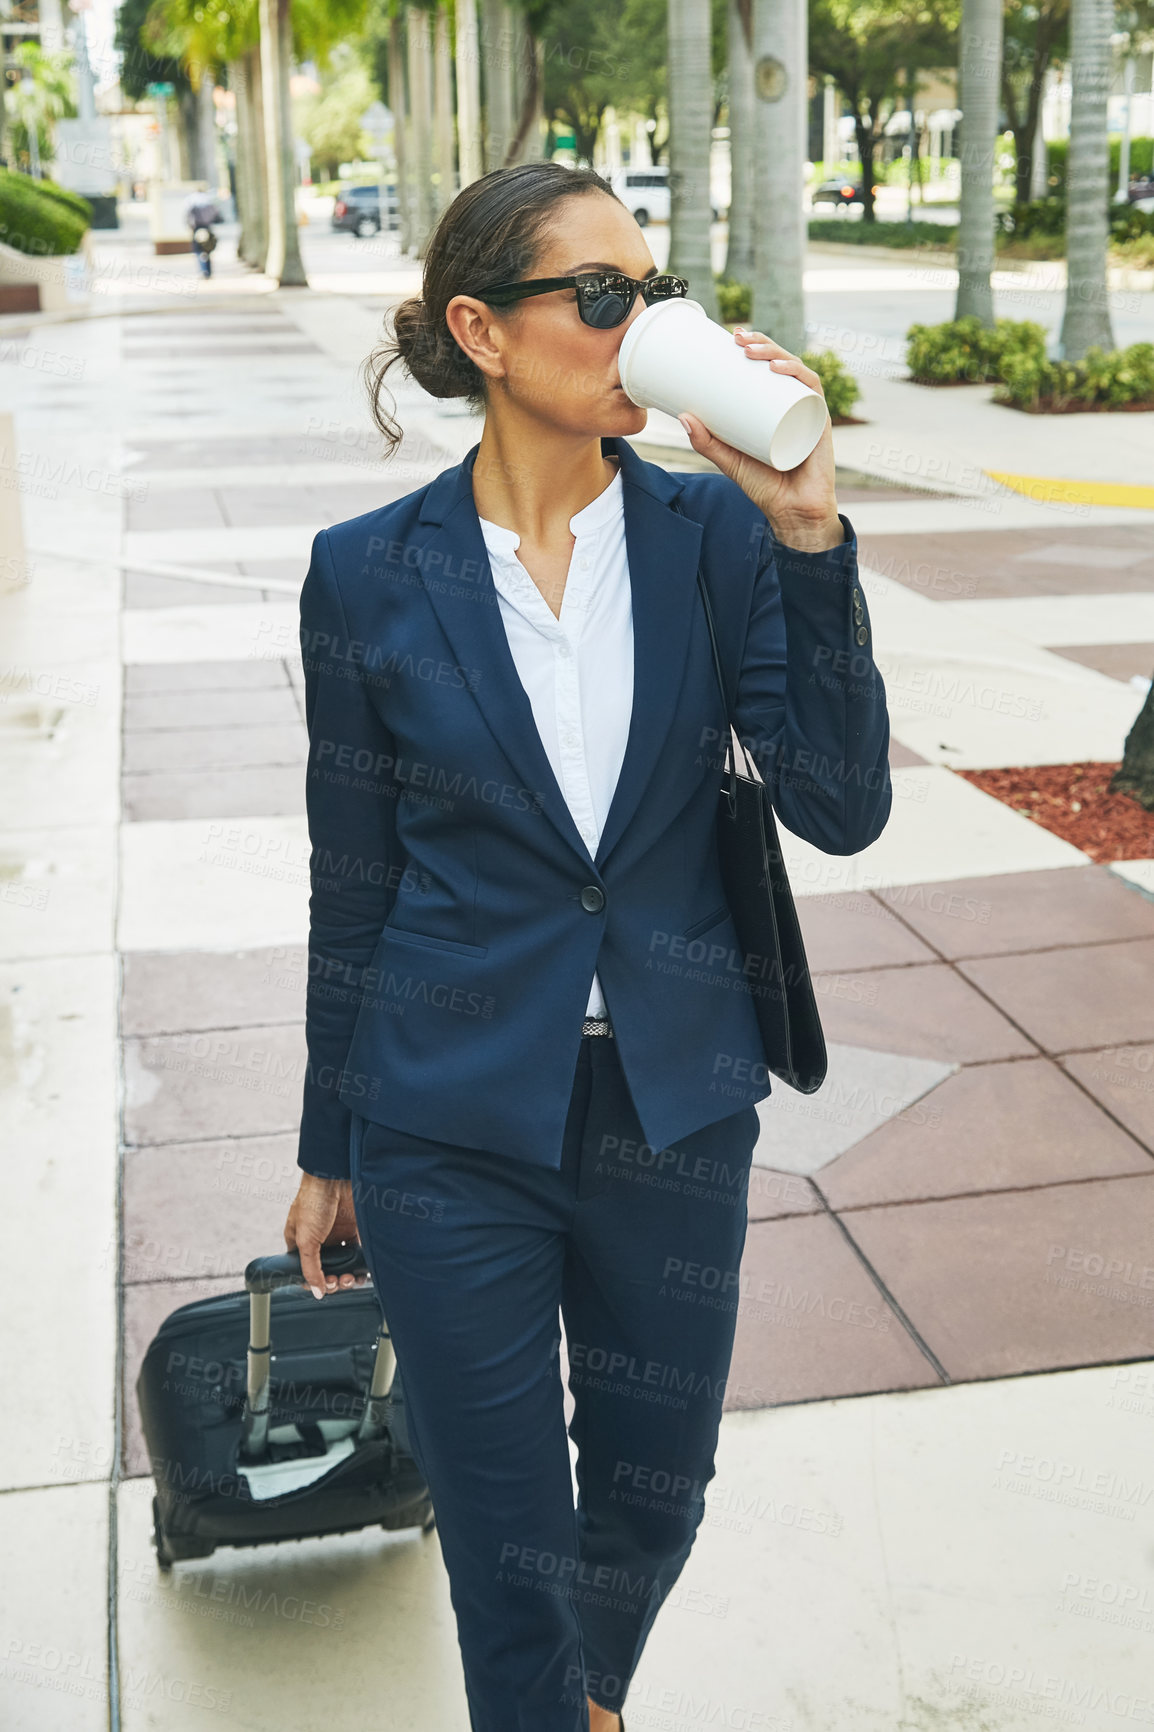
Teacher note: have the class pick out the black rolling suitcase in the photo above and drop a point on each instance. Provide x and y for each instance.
(270, 1415)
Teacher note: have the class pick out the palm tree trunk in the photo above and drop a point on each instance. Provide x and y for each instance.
(398, 102)
(739, 250)
(979, 82)
(470, 146)
(284, 259)
(528, 92)
(780, 48)
(497, 73)
(443, 107)
(248, 204)
(1135, 774)
(1087, 317)
(690, 85)
(421, 91)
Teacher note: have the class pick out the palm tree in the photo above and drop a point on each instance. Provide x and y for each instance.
(470, 147)
(398, 102)
(1086, 320)
(283, 260)
(779, 232)
(739, 248)
(979, 82)
(421, 95)
(497, 80)
(443, 105)
(690, 130)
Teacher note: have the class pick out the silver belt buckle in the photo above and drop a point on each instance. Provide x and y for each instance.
(596, 1025)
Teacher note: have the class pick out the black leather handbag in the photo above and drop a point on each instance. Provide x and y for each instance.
(761, 903)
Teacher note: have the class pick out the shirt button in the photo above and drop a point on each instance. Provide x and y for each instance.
(593, 899)
(583, 564)
(862, 634)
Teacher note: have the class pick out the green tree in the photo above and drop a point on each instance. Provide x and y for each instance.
(865, 46)
(1035, 37)
(330, 122)
(45, 93)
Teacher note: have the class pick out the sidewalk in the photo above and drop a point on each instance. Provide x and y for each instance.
(933, 1495)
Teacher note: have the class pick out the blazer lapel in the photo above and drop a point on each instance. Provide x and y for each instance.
(663, 550)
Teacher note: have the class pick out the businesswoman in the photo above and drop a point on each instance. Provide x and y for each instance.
(533, 1059)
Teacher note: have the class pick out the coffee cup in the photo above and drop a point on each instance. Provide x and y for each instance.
(674, 357)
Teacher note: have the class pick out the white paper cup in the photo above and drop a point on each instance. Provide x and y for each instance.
(675, 358)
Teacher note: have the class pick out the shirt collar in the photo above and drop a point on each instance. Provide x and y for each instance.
(609, 504)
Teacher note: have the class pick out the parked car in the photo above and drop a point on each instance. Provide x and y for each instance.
(358, 209)
(840, 191)
(1141, 193)
(645, 192)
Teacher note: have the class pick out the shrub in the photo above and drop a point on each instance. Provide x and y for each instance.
(734, 301)
(38, 218)
(966, 350)
(1138, 253)
(1043, 216)
(841, 388)
(1111, 378)
(1129, 224)
(862, 234)
(1141, 160)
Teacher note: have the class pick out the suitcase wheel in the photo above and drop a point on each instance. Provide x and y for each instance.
(170, 1550)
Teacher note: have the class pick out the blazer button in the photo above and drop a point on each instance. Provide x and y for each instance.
(862, 634)
(593, 898)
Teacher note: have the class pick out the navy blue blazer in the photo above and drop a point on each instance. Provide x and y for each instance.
(456, 916)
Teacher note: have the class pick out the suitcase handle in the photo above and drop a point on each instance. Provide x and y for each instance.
(266, 1274)
(261, 1278)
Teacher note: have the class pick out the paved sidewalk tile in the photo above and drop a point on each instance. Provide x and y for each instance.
(811, 1322)
(169, 679)
(168, 992)
(270, 791)
(162, 751)
(987, 564)
(925, 1011)
(1122, 1079)
(1121, 661)
(205, 1209)
(1010, 912)
(1081, 996)
(1021, 1280)
(989, 1127)
(213, 1083)
(263, 708)
(855, 930)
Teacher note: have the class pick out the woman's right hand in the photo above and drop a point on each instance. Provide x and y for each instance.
(322, 1213)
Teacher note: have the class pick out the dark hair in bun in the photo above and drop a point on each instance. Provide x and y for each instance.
(491, 233)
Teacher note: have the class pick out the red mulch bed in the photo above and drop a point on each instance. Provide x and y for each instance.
(1071, 801)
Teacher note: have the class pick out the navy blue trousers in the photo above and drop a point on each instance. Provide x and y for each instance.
(475, 1256)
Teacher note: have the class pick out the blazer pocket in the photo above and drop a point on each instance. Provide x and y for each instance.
(714, 919)
(423, 939)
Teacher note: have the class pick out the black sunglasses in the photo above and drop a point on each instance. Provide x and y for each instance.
(604, 298)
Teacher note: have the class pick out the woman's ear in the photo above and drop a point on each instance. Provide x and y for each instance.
(473, 326)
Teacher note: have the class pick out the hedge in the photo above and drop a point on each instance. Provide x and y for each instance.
(1141, 161)
(964, 351)
(1012, 356)
(40, 218)
(884, 234)
(1102, 378)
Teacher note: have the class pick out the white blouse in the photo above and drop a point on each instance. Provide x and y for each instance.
(577, 670)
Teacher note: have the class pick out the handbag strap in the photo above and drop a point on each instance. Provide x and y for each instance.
(704, 591)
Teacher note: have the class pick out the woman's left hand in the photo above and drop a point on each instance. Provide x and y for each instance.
(801, 503)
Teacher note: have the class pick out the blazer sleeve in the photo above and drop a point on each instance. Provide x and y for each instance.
(811, 703)
(350, 797)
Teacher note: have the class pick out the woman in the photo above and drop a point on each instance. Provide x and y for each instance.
(533, 1057)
